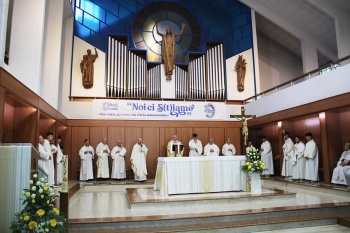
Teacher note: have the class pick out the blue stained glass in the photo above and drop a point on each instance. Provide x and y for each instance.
(78, 15)
(238, 21)
(91, 22)
(93, 9)
(82, 32)
(108, 5)
(246, 30)
(115, 22)
(125, 15)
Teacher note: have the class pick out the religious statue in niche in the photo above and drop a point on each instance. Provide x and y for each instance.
(87, 69)
(168, 47)
(241, 70)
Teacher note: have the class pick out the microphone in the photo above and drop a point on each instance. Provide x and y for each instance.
(3, 136)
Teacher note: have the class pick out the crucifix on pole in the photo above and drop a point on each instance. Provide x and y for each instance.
(244, 119)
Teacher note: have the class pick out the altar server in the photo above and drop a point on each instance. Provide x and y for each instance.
(287, 157)
(341, 174)
(211, 149)
(266, 156)
(118, 167)
(195, 146)
(311, 156)
(86, 154)
(51, 167)
(228, 148)
(298, 169)
(59, 162)
(102, 152)
(45, 155)
(170, 152)
(138, 161)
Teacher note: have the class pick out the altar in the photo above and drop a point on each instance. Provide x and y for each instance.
(202, 174)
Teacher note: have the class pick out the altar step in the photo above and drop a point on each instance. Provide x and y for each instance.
(250, 220)
(344, 222)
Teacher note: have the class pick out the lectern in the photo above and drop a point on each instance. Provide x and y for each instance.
(177, 148)
(15, 167)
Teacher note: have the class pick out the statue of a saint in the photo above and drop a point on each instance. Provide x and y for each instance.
(244, 127)
(241, 70)
(168, 47)
(87, 69)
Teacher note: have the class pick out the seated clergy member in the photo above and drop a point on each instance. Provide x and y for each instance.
(341, 174)
(118, 167)
(138, 161)
(211, 149)
(102, 151)
(86, 154)
(298, 169)
(195, 146)
(249, 147)
(170, 151)
(228, 148)
(311, 156)
(266, 156)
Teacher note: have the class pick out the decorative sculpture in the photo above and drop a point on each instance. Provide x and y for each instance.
(87, 69)
(241, 70)
(244, 123)
(168, 47)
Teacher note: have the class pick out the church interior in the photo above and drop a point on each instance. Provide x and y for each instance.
(247, 70)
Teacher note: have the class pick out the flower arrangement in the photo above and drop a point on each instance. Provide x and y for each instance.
(39, 214)
(253, 162)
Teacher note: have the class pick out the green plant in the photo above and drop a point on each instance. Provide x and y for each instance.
(253, 162)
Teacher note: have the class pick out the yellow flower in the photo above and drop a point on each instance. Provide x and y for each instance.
(27, 194)
(33, 201)
(26, 218)
(247, 163)
(250, 166)
(53, 222)
(21, 218)
(46, 188)
(42, 195)
(262, 165)
(55, 210)
(46, 229)
(32, 225)
(40, 212)
(48, 202)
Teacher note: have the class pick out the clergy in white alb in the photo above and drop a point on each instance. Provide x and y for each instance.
(59, 162)
(298, 169)
(45, 156)
(86, 154)
(311, 156)
(102, 152)
(195, 146)
(287, 156)
(266, 156)
(228, 149)
(211, 149)
(118, 167)
(138, 161)
(51, 167)
(341, 174)
(170, 151)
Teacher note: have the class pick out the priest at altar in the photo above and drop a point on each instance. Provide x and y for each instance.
(211, 149)
(170, 148)
(86, 154)
(311, 156)
(195, 146)
(102, 152)
(266, 156)
(287, 157)
(118, 167)
(228, 148)
(341, 174)
(138, 161)
(298, 169)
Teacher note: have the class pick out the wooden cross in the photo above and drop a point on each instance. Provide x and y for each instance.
(242, 115)
(243, 118)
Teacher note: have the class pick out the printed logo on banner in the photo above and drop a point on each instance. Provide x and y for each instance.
(109, 106)
(209, 109)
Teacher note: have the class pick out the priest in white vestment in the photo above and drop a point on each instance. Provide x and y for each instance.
(311, 156)
(86, 154)
(59, 162)
(170, 151)
(102, 152)
(118, 167)
(211, 149)
(341, 174)
(45, 156)
(249, 147)
(298, 169)
(51, 167)
(287, 157)
(266, 156)
(228, 149)
(138, 161)
(195, 146)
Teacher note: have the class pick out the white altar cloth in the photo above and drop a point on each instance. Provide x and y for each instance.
(199, 174)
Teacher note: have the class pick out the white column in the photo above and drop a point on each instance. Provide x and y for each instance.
(309, 56)
(255, 53)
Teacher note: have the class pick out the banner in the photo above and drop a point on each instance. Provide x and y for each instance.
(157, 110)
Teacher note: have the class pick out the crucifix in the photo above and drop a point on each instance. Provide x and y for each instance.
(244, 119)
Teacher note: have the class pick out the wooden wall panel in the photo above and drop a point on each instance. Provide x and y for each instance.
(168, 135)
(115, 134)
(132, 135)
(344, 124)
(8, 122)
(218, 135)
(185, 139)
(162, 148)
(78, 135)
(236, 139)
(203, 134)
(151, 139)
(2, 107)
(25, 125)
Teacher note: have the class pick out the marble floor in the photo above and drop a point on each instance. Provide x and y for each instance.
(319, 229)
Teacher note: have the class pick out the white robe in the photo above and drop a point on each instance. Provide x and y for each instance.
(102, 160)
(311, 164)
(86, 169)
(43, 162)
(118, 167)
(266, 157)
(341, 175)
(51, 166)
(59, 167)
(225, 150)
(298, 169)
(287, 157)
(170, 152)
(208, 147)
(138, 162)
(193, 146)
